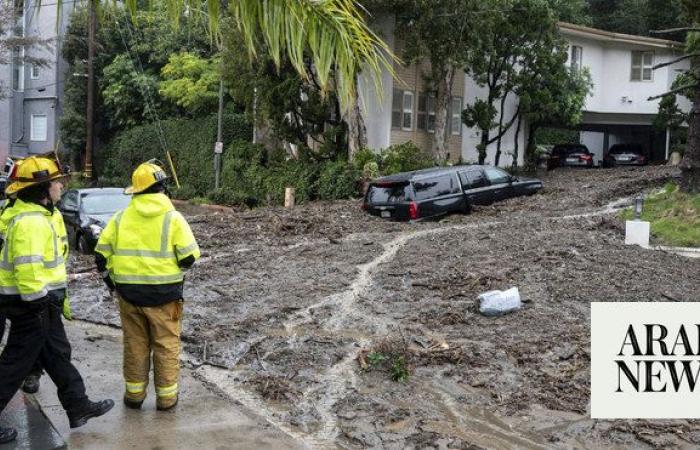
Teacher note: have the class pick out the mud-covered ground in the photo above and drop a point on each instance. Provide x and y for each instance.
(305, 316)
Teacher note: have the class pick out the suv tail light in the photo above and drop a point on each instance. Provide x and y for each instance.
(586, 157)
(413, 211)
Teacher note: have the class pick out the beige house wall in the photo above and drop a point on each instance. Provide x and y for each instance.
(412, 78)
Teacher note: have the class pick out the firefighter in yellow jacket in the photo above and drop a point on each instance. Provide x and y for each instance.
(32, 293)
(32, 382)
(142, 253)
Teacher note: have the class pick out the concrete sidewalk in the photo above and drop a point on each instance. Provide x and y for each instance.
(34, 431)
(201, 420)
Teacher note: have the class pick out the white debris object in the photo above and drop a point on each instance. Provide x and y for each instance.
(637, 233)
(496, 303)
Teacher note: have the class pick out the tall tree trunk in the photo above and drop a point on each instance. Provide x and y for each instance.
(690, 164)
(531, 144)
(442, 103)
(516, 145)
(483, 146)
(501, 115)
(357, 131)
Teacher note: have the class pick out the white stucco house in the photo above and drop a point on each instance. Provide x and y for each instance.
(616, 111)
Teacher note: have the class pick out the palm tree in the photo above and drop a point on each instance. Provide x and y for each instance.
(332, 32)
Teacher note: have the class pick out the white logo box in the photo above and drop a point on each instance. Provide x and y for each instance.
(614, 394)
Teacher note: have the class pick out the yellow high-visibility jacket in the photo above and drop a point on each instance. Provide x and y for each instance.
(56, 219)
(60, 227)
(3, 218)
(143, 245)
(31, 261)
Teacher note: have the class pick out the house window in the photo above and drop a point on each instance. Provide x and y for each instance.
(396, 109)
(39, 127)
(422, 118)
(17, 68)
(426, 112)
(407, 122)
(456, 116)
(402, 110)
(642, 62)
(19, 9)
(431, 114)
(34, 72)
(576, 58)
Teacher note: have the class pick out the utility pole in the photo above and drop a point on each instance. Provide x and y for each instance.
(90, 119)
(219, 147)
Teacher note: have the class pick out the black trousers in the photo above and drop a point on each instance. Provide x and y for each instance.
(38, 335)
(37, 369)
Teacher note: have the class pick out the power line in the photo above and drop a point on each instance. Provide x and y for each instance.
(150, 109)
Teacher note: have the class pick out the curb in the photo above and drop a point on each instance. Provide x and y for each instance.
(688, 252)
(61, 443)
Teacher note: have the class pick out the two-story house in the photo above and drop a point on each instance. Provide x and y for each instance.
(616, 111)
(29, 113)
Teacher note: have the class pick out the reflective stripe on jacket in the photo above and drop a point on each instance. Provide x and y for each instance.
(143, 243)
(31, 261)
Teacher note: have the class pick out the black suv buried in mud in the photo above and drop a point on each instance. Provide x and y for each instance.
(442, 190)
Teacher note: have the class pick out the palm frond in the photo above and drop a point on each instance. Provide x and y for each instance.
(332, 32)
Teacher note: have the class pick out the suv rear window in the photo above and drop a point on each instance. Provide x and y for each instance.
(388, 193)
(435, 187)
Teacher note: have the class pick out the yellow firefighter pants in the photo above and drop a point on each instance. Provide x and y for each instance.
(151, 329)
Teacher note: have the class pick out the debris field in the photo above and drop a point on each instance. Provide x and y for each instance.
(347, 331)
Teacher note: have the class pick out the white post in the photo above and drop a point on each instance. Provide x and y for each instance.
(289, 197)
(668, 142)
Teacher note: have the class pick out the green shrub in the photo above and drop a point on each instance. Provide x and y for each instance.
(364, 156)
(404, 158)
(250, 174)
(247, 151)
(226, 196)
(191, 145)
(674, 216)
(302, 176)
(184, 193)
(338, 180)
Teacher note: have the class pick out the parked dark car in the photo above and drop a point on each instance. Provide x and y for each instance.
(571, 155)
(625, 154)
(87, 211)
(435, 192)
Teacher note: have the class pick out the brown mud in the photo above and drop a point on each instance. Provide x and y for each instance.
(288, 310)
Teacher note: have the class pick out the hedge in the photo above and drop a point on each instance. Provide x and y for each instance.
(191, 145)
(250, 174)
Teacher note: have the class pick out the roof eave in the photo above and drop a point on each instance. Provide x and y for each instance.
(609, 36)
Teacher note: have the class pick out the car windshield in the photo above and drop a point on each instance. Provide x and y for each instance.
(102, 203)
(388, 193)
